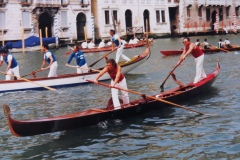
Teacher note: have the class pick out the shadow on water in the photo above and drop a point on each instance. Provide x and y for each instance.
(80, 141)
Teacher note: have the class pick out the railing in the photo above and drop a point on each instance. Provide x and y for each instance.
(229, 2)
(127, 1)
(189, 2)
(173, 1)
(215, 2)
(133, 30)
(58, 2)
(201, 2)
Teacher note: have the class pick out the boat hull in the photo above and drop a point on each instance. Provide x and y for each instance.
(94, 116)
(213, 50)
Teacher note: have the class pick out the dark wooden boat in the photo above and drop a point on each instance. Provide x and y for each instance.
(96, 115)
(211, 50)
(126, 46)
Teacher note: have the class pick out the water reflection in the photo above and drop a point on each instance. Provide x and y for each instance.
(168, 134)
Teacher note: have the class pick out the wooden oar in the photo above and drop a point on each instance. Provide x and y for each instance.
(52, 89)
(150, 97)
(32, 73)
(161, 86)
(84, 68)
(105, 55)
(221, 49)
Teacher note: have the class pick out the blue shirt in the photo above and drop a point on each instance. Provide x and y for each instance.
(47, 56)
(114, 39)
(80, 59)
(14, 61)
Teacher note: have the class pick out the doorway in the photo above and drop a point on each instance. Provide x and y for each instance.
(81, 22)
(45, 20)
(146, 20)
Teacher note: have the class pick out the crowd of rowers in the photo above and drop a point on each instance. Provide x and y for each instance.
(102, 44)
(221, 44)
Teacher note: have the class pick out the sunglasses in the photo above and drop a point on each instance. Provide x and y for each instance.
(184, 42)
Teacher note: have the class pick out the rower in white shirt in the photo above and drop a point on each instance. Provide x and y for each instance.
(91, 44)
(101, 44)
(84, 45)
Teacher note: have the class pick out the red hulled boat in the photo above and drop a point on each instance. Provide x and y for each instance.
(95, 115)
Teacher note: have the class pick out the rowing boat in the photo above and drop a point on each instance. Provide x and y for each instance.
(109, 48)
(95, 115)
(65, 80)
(211, 50)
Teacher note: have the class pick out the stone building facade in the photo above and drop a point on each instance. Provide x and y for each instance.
(81, 19)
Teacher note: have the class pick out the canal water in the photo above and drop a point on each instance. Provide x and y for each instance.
(170, 133)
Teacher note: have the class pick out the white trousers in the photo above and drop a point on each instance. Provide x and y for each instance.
(85, 66)
(53, 70)
(14, 71)
(200, 73)
(125, 98)
(119, 53)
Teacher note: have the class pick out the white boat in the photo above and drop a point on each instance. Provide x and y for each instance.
(69, 79)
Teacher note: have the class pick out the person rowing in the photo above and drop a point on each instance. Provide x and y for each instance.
(80, 60)
(198, 54)
(118, 80)
(50, 58)
(206, 45)
(12, 64)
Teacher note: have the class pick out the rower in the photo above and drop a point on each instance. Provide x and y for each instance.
(118, 80)
(50, 58)
(84, 45)
(80, 60)
(206, 45)
(12, 65)
(197, 43)
(227, 43)
(101, 44)
(91, 44)
(220, 43)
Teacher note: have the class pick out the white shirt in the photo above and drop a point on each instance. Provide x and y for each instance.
(101, 45)
(136, 40)
(123, 42)
(91, 45)
(9, 58)
(205, 43)
(227, 41)
(84, 45)
(109, 43)
(131, 42)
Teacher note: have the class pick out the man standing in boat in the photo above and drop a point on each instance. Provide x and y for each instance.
(80, 60)
(118, 80)
(50, 58)
(117, 42)
(12, 65)
(199, 58)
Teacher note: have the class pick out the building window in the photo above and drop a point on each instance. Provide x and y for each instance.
(2, 20)
(115, 15)
(131, 1)
(106, 17)
(208, 17)
(26, 19)
(163, 16)
(113, 1)
(227, 11)
(105, 1)
(220, 14)
(200, 12)
(158, 16)
(188, 12)
(64, 20)
(237, 11)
